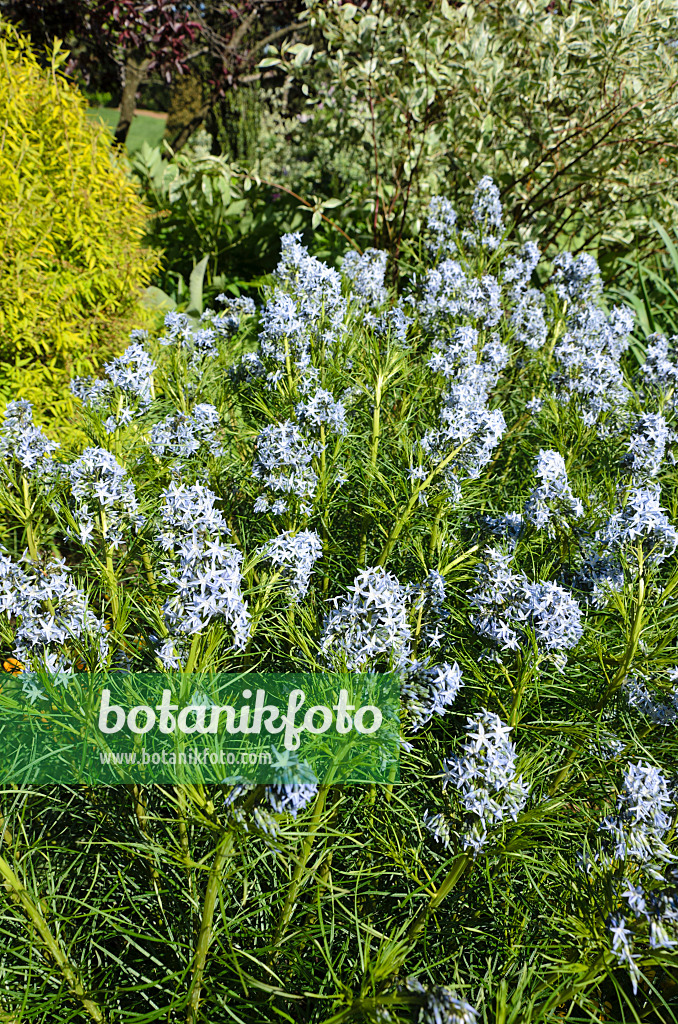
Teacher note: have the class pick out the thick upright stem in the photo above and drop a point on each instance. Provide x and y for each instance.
(222, 853)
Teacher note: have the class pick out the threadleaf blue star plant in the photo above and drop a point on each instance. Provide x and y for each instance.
(470, 483)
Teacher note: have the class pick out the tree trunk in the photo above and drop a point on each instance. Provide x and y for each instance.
(134, 75)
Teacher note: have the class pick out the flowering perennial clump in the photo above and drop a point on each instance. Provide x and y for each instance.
(464, 480)
(370, 625)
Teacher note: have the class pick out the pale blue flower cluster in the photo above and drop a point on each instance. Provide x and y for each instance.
(485, 776)
(369, 625)
(647, 447)
(640, 521)
(127, 386)
(441, 222)
(552, 505)
(321, 409)
(283, 465)
(588, 357)
(366, 273)
(181, 435)
(24, 442)
(439, 1005)
(203, 572)
(54, 625)
(660, 706)
(659, 372)
(234, 312)
(296, 554)
(469, 430)
(634, 842)
(488, 215)
(105, 498)
(510, 605)
(429, 691)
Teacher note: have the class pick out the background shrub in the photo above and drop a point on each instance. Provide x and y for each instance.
(71, 262)
(570, 107)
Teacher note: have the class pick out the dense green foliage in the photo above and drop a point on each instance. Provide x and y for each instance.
(210, 215)
(71, 262)
(571, 107)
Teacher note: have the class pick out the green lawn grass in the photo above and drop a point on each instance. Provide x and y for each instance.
(143, 128)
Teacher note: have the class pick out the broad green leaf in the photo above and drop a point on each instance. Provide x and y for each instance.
(195, 285)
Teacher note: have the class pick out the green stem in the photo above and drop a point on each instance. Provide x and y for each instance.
(32, 911)
(222, 853)
(300, 865)
(374, 451)
(30, 536)
(402, 519)
(461, 863)
(193, 653)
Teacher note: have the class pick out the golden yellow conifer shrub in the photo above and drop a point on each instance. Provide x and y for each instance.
(72, 266)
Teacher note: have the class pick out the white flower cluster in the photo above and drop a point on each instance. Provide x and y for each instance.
(105, 498)
(552, 505)
(634, 838)
(297, 551)
(485, 775)
(369, 625)
(642, 520)
(282, 463)
(204, 573)
(588, 358)
(320, 410)
(183, 435)
(23, 441)
(54, 625)
(366, 273)
(509, 604)
(429, 691)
